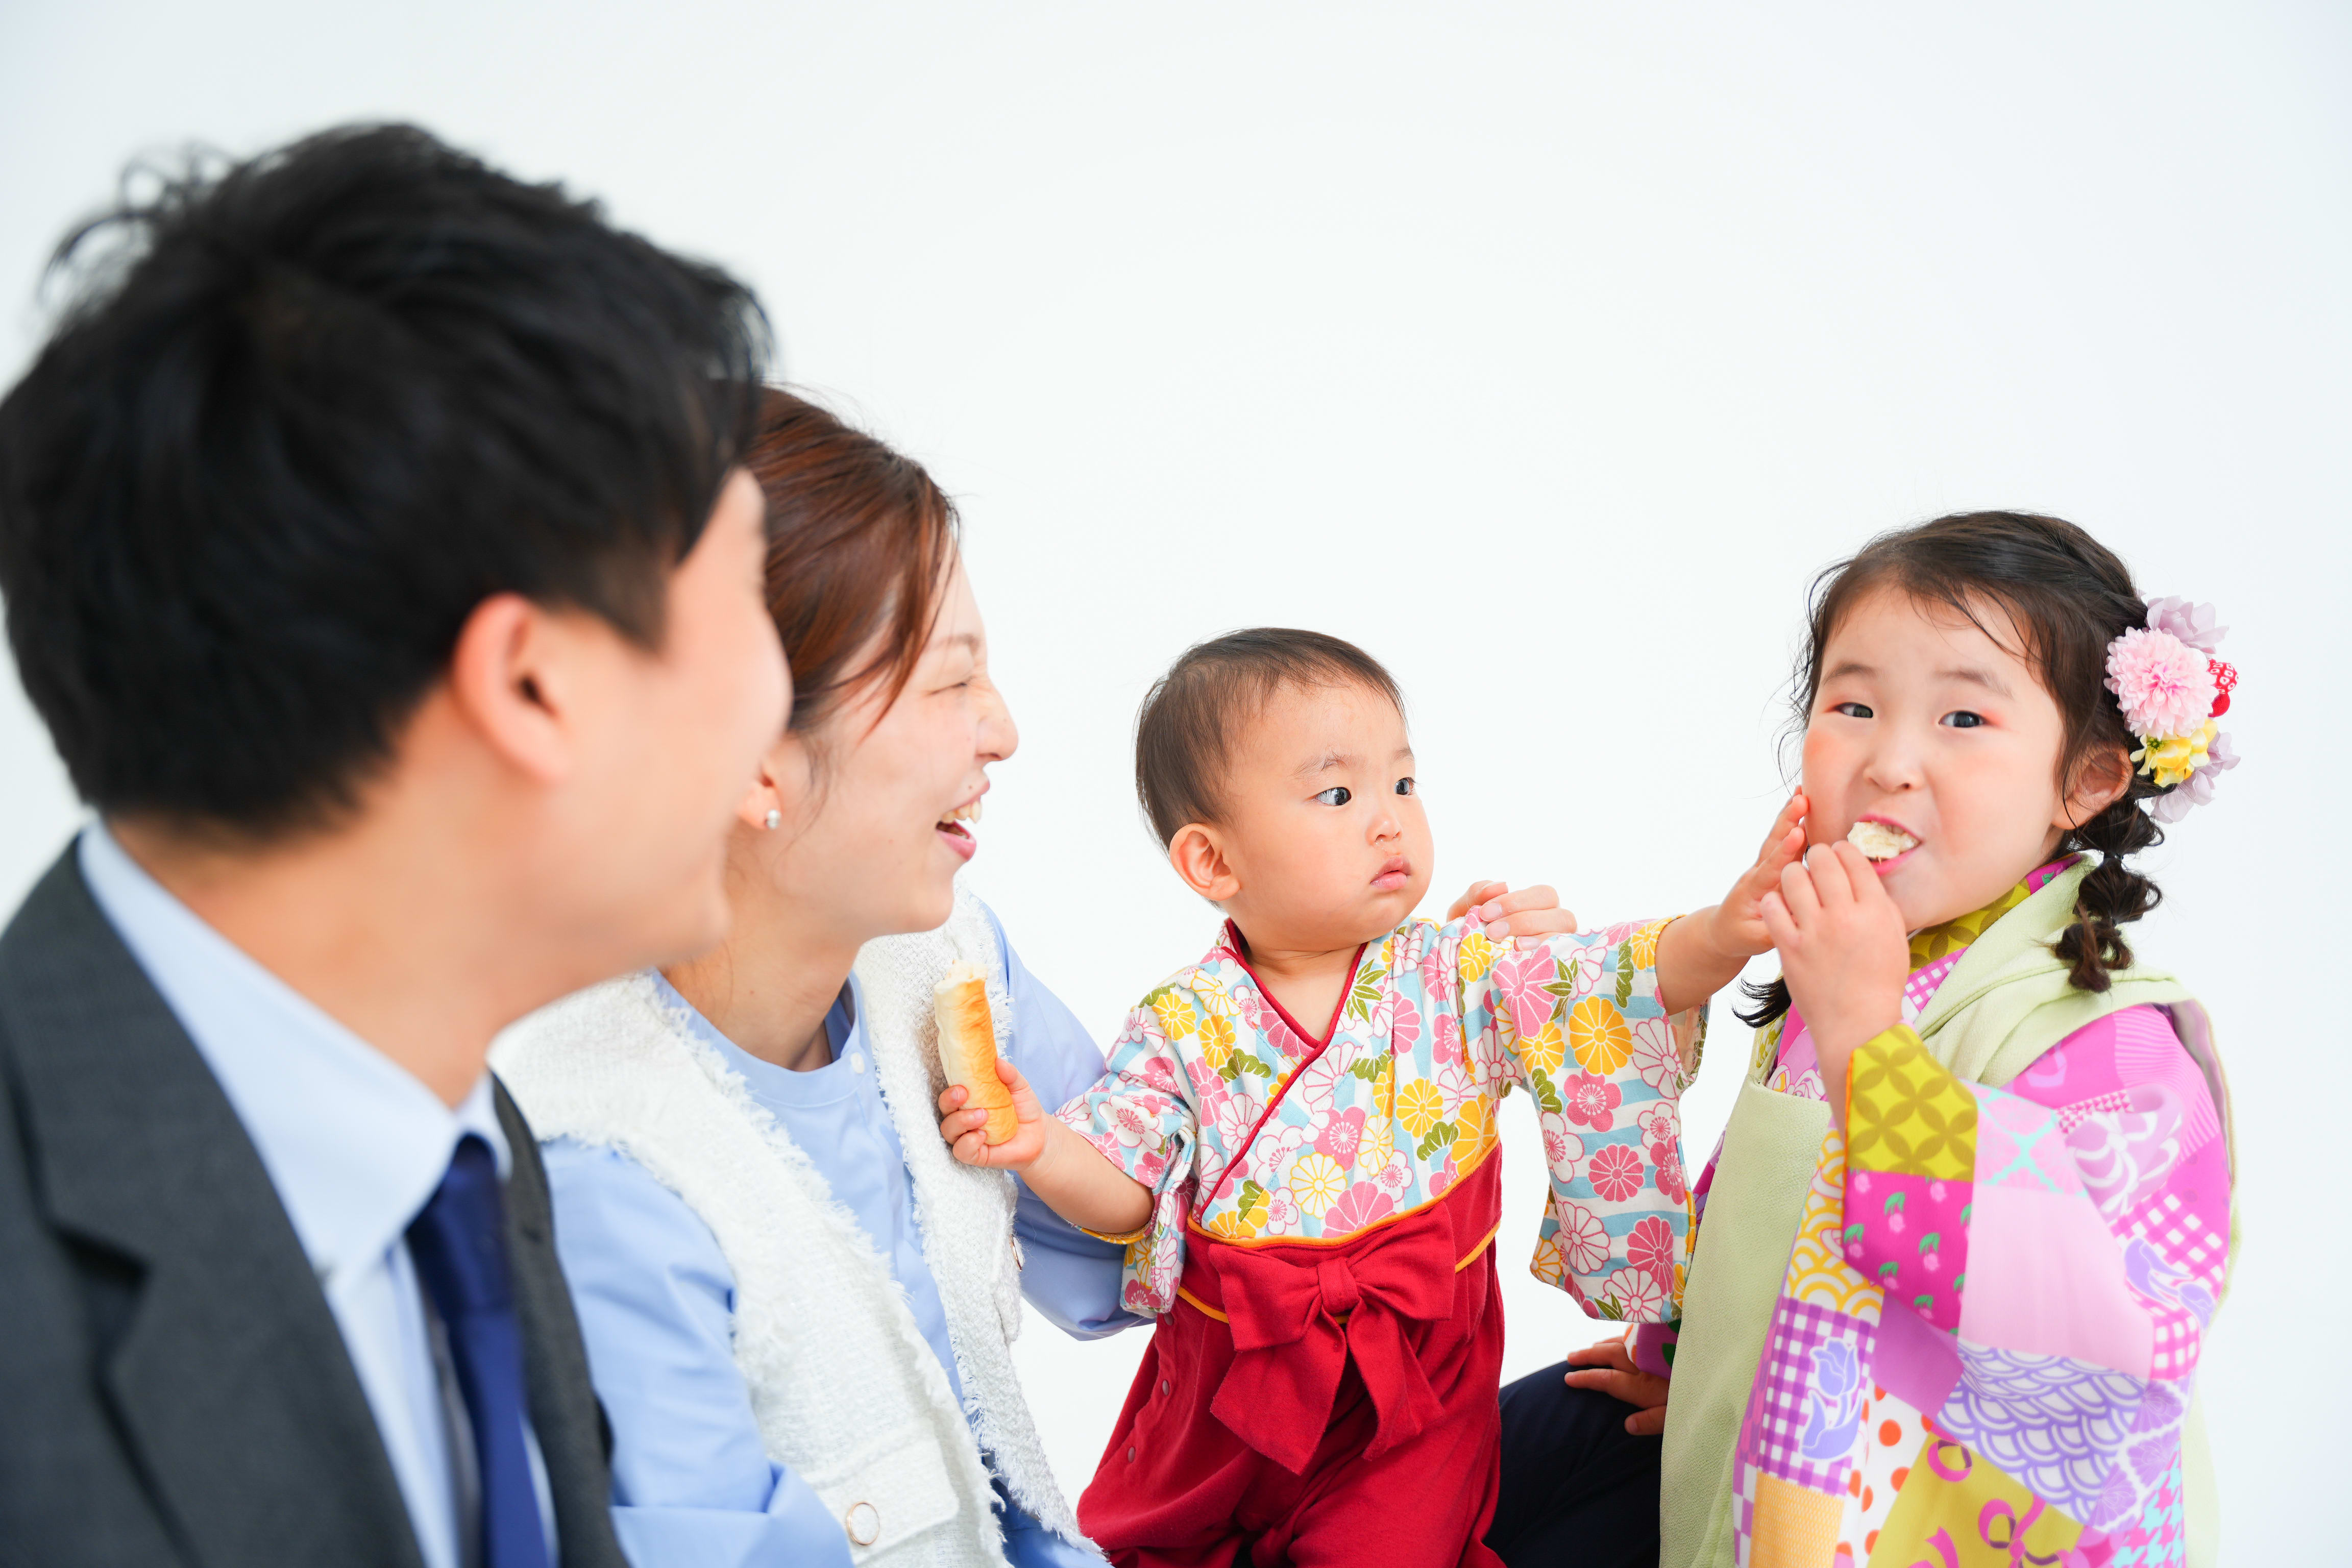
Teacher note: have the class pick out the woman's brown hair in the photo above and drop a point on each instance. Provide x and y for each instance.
(859, 538)
(2068, 597)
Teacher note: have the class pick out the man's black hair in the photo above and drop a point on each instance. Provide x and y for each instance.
(300, 416)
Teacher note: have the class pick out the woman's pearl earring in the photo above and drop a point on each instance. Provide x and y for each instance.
(775, 819)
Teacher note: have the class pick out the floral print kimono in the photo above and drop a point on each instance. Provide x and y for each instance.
(1984, 1342)
(1320, 1251)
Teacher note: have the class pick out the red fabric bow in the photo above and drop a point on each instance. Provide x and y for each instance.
(1296, 1320)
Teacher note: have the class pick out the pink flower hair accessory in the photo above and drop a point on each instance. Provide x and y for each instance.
(2164, 686)
(2170, 689)
(2192, 623)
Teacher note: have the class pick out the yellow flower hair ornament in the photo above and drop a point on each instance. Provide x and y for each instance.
(2170, 689)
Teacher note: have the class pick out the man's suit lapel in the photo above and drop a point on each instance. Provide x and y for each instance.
(228, 1373)
(570, 1424)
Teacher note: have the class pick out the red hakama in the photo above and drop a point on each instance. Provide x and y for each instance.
(1318, 1403)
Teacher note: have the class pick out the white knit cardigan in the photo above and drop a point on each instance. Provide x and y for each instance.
(845, 1388)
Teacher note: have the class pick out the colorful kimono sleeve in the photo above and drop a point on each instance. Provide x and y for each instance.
(2068, 1237)
(1142, 1120)
(1576, 1021)
(1653, 1343)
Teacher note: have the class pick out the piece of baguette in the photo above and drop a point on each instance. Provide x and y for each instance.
(968, 1047)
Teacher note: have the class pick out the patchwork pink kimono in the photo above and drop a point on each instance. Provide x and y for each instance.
(1985, 1339)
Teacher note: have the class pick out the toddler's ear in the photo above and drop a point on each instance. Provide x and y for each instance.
(1198, 853)
(2099, 781)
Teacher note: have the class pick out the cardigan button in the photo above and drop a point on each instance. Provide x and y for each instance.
(1130, 1453)
(864, 1523)
(1166, 1388)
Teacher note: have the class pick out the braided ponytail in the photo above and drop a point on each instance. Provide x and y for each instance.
(2112, 894)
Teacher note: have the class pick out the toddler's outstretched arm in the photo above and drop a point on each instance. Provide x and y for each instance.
(1061, 1167)
(1701, 954)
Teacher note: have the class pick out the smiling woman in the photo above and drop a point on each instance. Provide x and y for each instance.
(895, 719)
(796, 1303)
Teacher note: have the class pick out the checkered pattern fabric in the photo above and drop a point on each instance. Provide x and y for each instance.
(1784, 1401)
(2073, 1116)
(2179, 1339)
(2180, 1237)
(1920, 989)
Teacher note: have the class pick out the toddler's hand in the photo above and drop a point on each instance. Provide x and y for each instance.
(1611, 1372)
(1844, 952)
(1529, 914)
(962, 1128)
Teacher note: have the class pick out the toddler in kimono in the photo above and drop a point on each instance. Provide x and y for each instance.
(1294, 1135)
(1972, 1215)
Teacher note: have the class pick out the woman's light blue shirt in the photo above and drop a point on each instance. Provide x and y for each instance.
(692, 1486)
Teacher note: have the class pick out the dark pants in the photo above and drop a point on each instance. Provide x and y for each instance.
(1579, 1490)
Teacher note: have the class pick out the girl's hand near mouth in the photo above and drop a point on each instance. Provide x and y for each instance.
(1741, 916)
(1704, 951)
(1845, 952)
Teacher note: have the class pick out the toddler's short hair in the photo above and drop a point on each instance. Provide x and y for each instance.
(1184, 732)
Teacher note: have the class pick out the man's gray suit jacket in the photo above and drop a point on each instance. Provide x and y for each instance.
(174, 1389)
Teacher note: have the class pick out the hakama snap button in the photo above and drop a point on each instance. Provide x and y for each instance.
(864, 1523)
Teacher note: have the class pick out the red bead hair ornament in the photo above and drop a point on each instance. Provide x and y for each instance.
(2225, 675)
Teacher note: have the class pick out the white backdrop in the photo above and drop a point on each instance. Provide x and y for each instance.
(1546, 350)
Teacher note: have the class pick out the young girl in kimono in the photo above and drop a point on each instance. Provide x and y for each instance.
(1971, 1219)
(1295, 1136)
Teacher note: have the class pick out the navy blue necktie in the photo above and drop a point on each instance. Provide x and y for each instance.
(459, 1242)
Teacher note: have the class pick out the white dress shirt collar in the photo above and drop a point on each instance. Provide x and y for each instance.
(355, 1143)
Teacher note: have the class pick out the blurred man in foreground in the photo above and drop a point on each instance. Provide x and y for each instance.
(373, 548)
